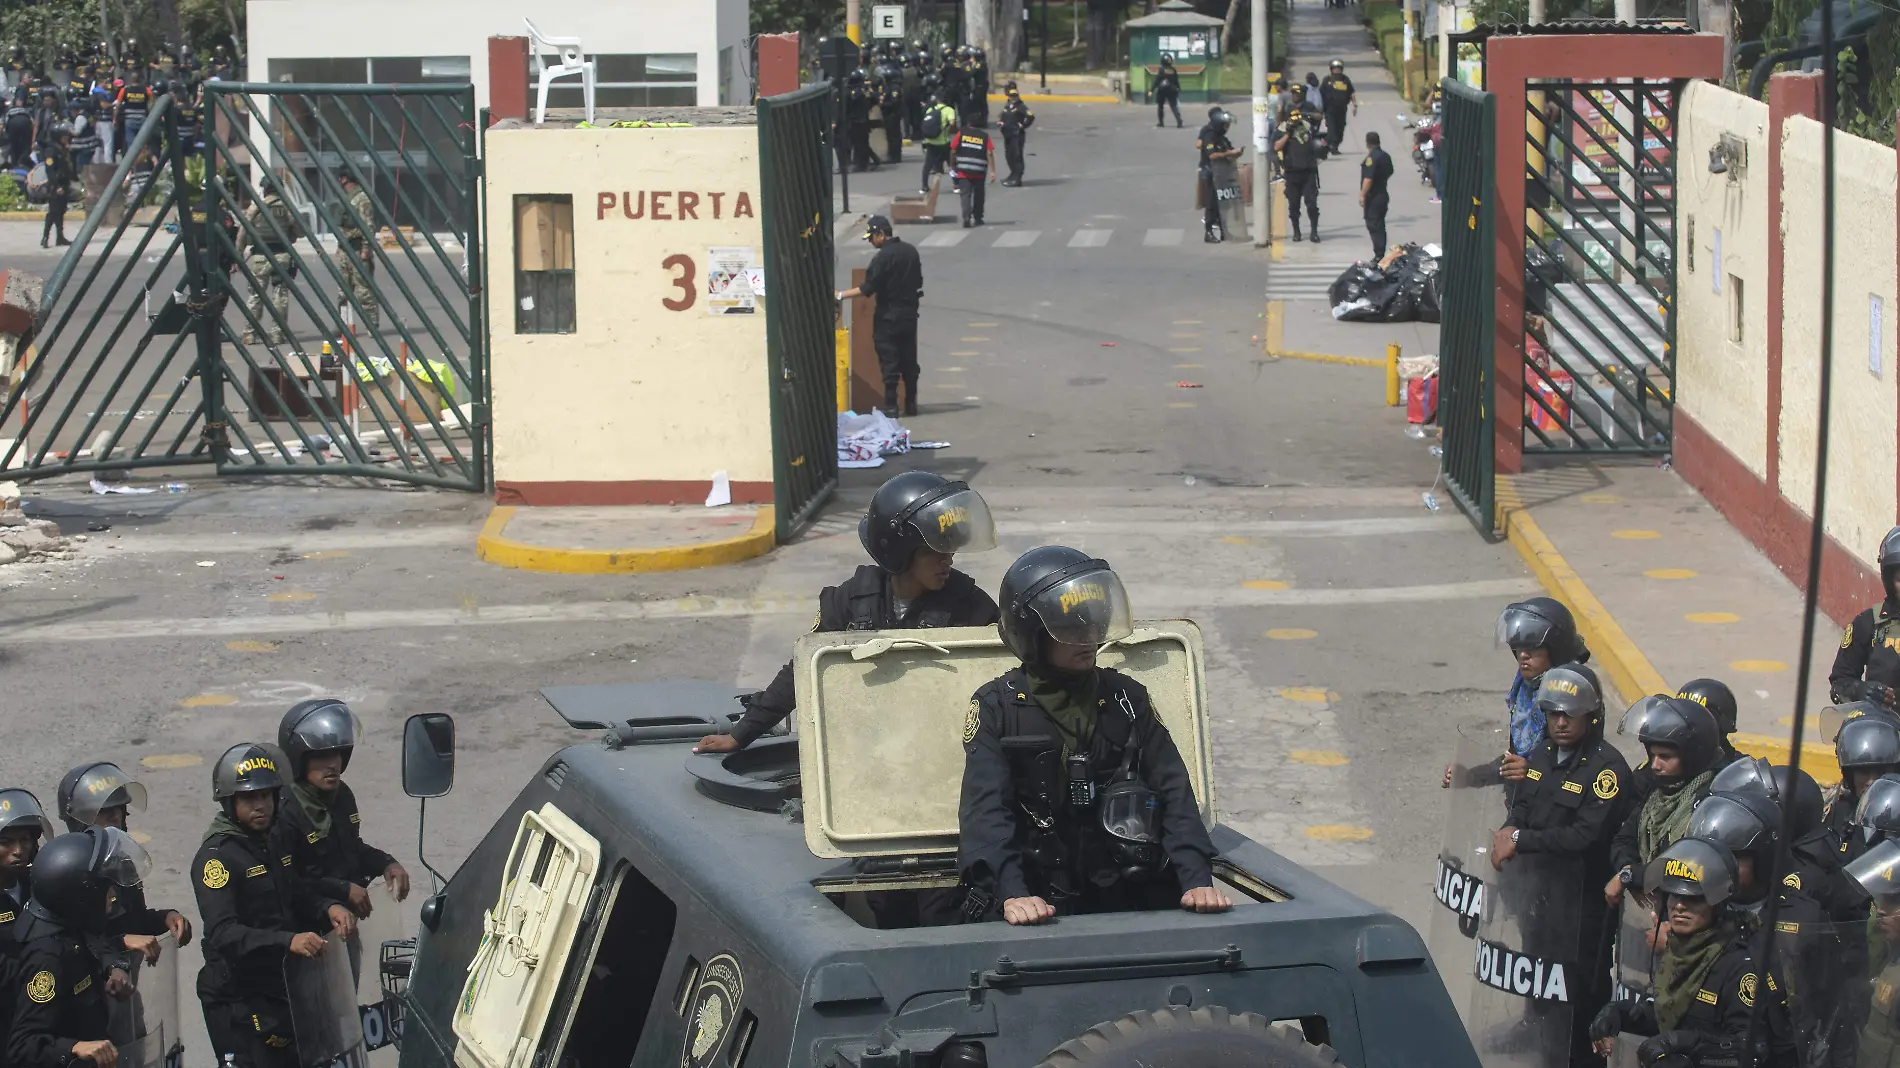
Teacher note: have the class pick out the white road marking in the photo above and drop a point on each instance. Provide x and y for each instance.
(1090, 238)
(225, 544)
(1158, 238)
(944, 239)
(1017, 239)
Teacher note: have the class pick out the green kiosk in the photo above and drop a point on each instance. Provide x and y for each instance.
(1184, 35)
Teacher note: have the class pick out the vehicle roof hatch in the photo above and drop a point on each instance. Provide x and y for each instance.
(881, 715)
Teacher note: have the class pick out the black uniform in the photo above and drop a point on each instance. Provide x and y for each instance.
(1335, 95)
(896, 278)
(1378, 168)
(252, 902)
(332, 859)
(12, 911)
(999, 853)
(891, 107)
(133, 916)
(1299, 163)
(60, 175)
(865, 602)
(1014, 122)
(1211, 139)
(19, 131)
(955, 86)
(1716, 1025)
(57, 995)
(1870, 651)
(858, 101)
(1167, 94)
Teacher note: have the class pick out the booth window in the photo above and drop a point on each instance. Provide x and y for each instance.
(635, 81)
(544, 264)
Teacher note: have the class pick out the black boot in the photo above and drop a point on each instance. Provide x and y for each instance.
(1315, 238)
(1296, 232)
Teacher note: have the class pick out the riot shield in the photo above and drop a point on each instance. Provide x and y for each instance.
(323, 1014)
(1824, 969)
(1530, 969)
(383, 924)
(1230, 198)
(1636, 935)
(1475, 807)
(1880, 1034)
(145, 1025)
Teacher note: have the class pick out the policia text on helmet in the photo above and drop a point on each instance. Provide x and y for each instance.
(1101, 815)
(916, 525)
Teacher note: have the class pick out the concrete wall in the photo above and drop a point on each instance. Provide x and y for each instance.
(642, 403)
(281, 29)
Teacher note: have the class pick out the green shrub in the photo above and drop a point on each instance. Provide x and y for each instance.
(12, 197)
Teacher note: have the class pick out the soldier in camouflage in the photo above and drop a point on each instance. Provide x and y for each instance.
(271, 262)
(355, 259)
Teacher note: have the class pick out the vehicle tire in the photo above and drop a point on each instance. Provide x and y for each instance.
(1211, 1037)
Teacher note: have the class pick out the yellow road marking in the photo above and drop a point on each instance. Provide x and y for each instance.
(1757, 667)
(1182, 404)
(1635, 535)
(1601, 498)
(1291, 634)
(1339, 832)
(208, 700)
(1308, 695)
(245, 645)
(1669, 573)
(171, 761)
(1319, 758)
(290, 597)
(1713, 617)
(1264, 584)
(981, 326)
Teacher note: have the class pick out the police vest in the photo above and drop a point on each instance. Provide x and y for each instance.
(135, 103)
(971, 152)
(86, 137)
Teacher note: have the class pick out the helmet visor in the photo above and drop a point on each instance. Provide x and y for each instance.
(957, 523)
(1690, 873)
(332, 726)
(1728, 821)
(1086, 609)
(1878, 870)
(1132, 813)
(1640, 715)
(1567, 693)
(1748, 775)
(1879, 808)
(105, 786)
(119, 859)
(20, 811)
(1521, 628)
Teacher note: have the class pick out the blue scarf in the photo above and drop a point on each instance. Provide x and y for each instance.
(1527, 720)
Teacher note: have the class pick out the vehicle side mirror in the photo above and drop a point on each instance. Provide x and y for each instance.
(428, 754)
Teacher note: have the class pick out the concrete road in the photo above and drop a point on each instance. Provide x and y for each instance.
(1095, 368)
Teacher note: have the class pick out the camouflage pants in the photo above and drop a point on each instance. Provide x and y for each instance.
(356, 279)
(272, 274)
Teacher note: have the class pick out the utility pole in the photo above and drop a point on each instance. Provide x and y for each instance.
(1260, 33)
(1537, 12)
(1045, 45)
(851, 27)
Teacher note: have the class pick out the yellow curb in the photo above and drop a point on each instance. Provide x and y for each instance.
(1611, 650)
(22, 216)
(1061, 98)
(491, 546)
(1321, 357)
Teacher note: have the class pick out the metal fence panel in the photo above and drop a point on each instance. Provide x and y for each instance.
(795, 183)
(1466, 373)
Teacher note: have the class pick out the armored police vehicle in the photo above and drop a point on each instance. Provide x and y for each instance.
(641, 905)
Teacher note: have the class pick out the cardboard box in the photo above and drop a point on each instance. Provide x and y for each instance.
(419, 400)
(544, 234)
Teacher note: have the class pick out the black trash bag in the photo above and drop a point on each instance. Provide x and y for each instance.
(1540, 272)
(1429, 297)
(1381, 300)
(1351, 285)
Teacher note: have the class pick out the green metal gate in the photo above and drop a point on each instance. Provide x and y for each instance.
(795, 184)
(1466, 372)
(1600, 277)
(334, 335)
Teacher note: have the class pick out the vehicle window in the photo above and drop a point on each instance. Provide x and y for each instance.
(623, 975)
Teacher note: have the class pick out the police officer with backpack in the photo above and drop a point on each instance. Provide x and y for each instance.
(1867, 668)
(917, 523)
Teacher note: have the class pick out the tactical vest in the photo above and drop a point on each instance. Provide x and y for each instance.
(971, 153)
(136, 103)
(866, 595)
(86, 137)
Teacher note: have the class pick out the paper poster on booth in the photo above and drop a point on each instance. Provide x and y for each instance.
(731, 276)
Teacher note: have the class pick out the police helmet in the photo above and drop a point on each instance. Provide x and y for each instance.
(1065, 594)
(1878, 871)
(1682, 724)
(1868, 742)
(1338, 64)
(90, 789)
(948, 51)
(74, 874)
(1715, 696)
(20, 811)
(62, 129)
(322, 725)
(1744, 822)
(931, 81)
(1167, 60)
(919, 509)
(857, 76)
(1756, 775)
(1542, 623)
(1570, 690)
(1694, 867)
(246, 768)
(1878, 814)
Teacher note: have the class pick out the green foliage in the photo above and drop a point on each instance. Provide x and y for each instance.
(819, 17)
(48, 27)
(12, 198)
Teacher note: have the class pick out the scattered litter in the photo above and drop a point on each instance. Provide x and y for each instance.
(1431, 249)
(721, 490)
(279, 578)
(1431, 500)
(1187, 385)
(1414, 430)
(1108, 344)
(1763, 694)
(98, 528)
(1401, 288)
(175, 487)
(929, 444)
(1188, 481)
(102, 489)
(863, 439)
(1436, 450)
(207, 563)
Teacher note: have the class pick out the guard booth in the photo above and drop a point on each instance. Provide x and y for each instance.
(1190, 38)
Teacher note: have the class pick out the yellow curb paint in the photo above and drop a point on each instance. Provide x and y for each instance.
(492, 546)
(290, 597)
(1274, 334)
(1264, 584)
(170, 761)
(327, 554)
(1291, 634)
(1308, 695)
(966, 354)
(1319, 758)
(1635, 535)
(245, 645)
(1713, 617)
(1669, 573)
(140, 837)
(1338, 832)
(22, 216)
(208, 700)
(981, 326)
(1321, 357)
(1757, 667)
(1601, 498)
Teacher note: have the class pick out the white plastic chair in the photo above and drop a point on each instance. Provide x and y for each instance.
(572, 62)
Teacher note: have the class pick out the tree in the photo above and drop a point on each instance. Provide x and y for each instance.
(1011, 48)
(1103, 16)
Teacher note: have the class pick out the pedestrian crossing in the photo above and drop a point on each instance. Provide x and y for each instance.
(1084, 238)
(1303, 281)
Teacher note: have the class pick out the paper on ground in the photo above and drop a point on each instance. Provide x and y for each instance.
(721, 490)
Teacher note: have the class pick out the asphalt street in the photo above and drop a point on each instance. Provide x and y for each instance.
(1099, 377)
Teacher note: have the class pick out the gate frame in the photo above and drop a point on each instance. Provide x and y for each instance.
(1510, 64)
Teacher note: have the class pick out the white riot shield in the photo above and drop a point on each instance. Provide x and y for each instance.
(1230, 198)
(383, 924)
(1527, 966)
(323, 1013)
(1636, 939)
(145, 1025)
(1475, 808)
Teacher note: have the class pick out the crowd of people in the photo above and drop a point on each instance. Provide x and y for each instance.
(281, 866)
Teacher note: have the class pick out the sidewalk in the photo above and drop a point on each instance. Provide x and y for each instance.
(1319, 35)
(1668, 591)
(624, 540)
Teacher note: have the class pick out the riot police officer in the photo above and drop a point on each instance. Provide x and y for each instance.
(101, 794)
(255, 911)
(953, 81)
(320, 822)
(1714, 695)
(891, 106)
(1815, 857)
(1014, 123)
(1212, 143)
(979, 91)
(860, 94)
(22, 825)
(1867, 748)
(58, 997)
(1298, 146)
(1708, 981)
(1867, 668)
(1167, 92)
(1075, 798)
(1682, 741)
(915, 526)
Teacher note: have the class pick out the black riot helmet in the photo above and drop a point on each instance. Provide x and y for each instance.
(1889, 558)
(1694, 867)
(1167, 60)
(1744, 822)
(1878, 813)
(920, 509)
(1679, 722)
(1065, 594)
(20, 811)
(857, 76)
(245, 768)
(1878, 871)
(317, 726)
(1715, 696)
(1836, 716)
(1542, 623)
(1868, 742)
(1755, 775)
(1571, 690)
(90, 789)
(74, 875)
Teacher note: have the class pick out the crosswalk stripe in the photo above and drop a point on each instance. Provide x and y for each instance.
(1017, 239)
(944, 239)
(1161, 237)
(1303, 281)
(1090, 238)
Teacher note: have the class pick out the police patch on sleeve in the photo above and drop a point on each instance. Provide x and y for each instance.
(971, 720)
(1606, 786)
(216, 874)
(1746, 990)
(1847, 636)
(1793, 879)
(40, 988)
